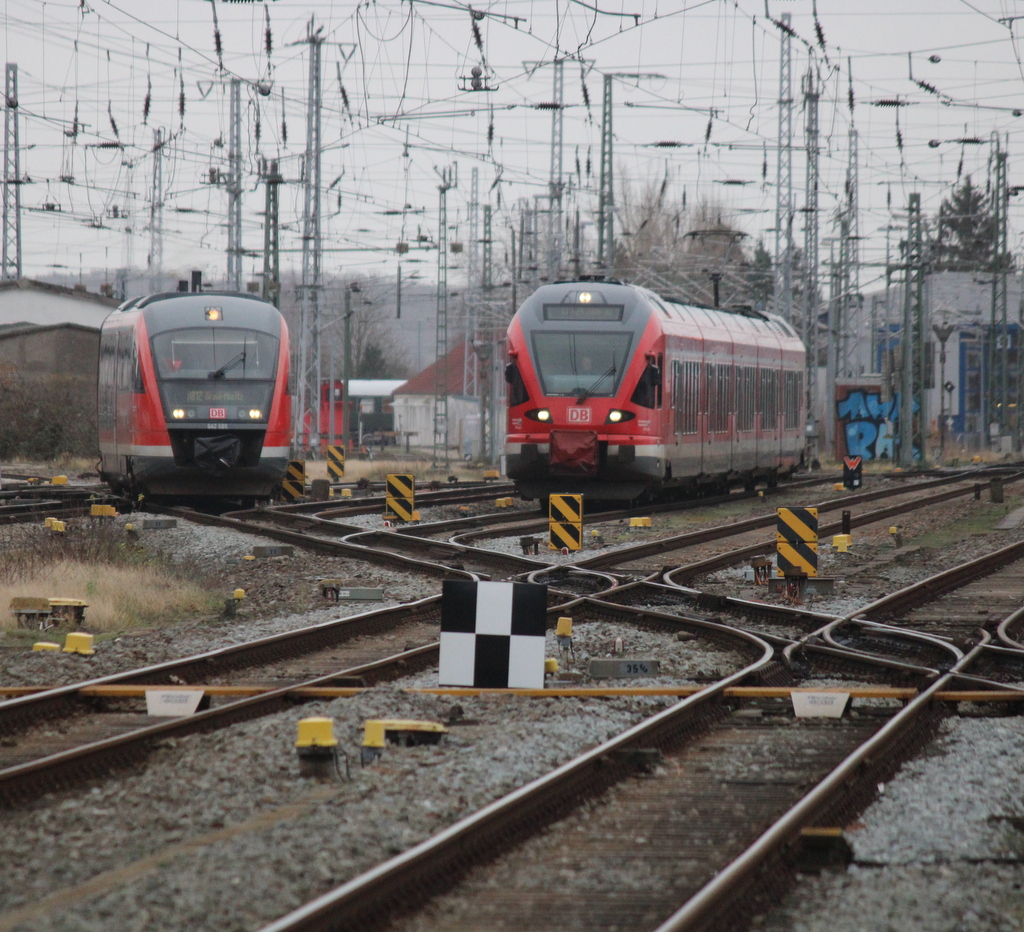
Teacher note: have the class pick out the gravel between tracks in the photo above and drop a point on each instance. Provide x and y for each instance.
(281, 595)
(941, 850)
(197, 789)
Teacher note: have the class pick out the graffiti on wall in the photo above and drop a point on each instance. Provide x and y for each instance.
(868, 424)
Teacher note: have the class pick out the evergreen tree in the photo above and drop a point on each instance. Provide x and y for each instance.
(967, 230)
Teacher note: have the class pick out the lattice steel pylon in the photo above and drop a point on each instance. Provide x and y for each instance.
(912, 429)
(554, 256)
(606, 194)
(234, 188)
(307, 410)
(448, 181)
(809, 329)
(12, 179)
(999, 334)
(271, 287)
(784, 178)
(156, 214)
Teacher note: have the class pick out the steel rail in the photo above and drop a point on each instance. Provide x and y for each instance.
(680, 541)
(33, 778)
(319, 544)
(15, 714)
(405, 880)
(715, 904)
(924, 591)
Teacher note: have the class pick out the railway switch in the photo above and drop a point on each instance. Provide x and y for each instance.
(346, 493)
(550, 665)
(897, 537)
(639, 522)
(59, 480)
(78, 642)
(841, 543)
(45, 645)
(404, 732)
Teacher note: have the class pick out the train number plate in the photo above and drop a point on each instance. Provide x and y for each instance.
(218, 413)
(579, 415)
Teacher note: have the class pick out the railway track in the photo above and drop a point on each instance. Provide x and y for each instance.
(630, 775)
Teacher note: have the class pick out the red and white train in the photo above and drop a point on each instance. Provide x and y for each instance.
(621, 394)
(193, 396)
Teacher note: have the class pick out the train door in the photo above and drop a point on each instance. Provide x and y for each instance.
(123, 399)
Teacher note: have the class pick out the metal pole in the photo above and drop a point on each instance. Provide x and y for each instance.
(11, 180)
(234, 187)
(346, 416)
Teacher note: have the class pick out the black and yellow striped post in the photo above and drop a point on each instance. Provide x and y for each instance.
(797, 541)
(294, 482)
(335, 463)
(399, 497)
(565, 522)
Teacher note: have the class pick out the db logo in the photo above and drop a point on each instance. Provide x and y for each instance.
(579, 415)
(218, 412)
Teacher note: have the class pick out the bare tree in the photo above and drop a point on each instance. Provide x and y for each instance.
(689, 252)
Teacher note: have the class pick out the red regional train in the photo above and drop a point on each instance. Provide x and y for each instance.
(193, 396)
(623, 395)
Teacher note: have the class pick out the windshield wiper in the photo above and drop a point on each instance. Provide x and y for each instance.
(593, 388)
(230, 364)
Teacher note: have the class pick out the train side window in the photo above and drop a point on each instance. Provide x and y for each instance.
(517, 393)
(719, 397)
(138, 386)
(746, 385)
(661, 369)
(768, 399)
(647, 393)
(792, 390)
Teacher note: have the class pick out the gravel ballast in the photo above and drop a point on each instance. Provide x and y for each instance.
(941, 850)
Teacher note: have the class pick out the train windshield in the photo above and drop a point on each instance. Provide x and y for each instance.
(215, 353)
(580, 363)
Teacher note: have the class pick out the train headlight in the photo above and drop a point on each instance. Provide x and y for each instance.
(255, 414)
(538, 414)
(615, 416)
(178, 413)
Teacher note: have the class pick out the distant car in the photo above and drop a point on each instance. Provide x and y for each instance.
(193, 396)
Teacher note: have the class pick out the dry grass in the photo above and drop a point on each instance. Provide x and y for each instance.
(124, 585)
(119, 597)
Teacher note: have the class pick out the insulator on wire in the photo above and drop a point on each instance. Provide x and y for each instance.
(588, 163)
(707, 132)
(586, 93)
(344, 97)
(579, 174)
(218, 48)
(477, 38)
(268, 39)
(490, 131)
(256, 127)
(181, 98)
(147, 101)
(113, 122)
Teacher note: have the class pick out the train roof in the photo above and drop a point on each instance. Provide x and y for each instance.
(175, 310)
(673, 310)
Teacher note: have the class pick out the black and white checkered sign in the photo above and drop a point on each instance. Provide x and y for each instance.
(492, 634)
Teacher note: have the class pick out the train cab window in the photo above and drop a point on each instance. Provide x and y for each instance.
(517, 393)
(215, 353)
(578, 363)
